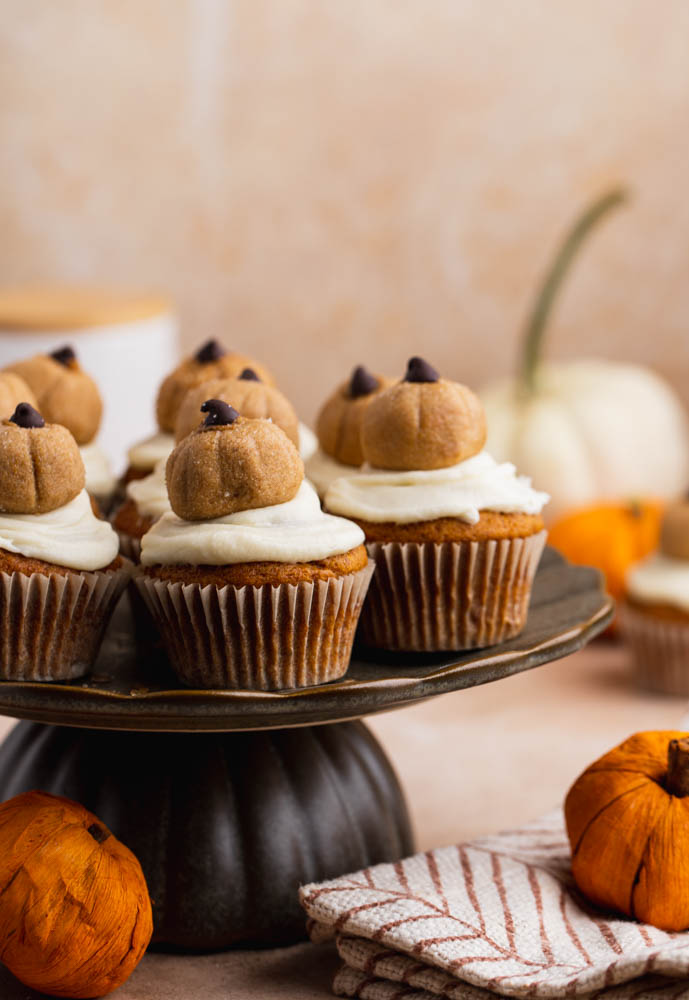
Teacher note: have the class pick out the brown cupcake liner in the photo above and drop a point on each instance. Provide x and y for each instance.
(429, 596)
(51, 626)
(659, 651)
(260, 638)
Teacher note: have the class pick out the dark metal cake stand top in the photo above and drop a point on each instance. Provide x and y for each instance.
(131, 690)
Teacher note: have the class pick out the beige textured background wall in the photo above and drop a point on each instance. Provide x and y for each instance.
(328, 181)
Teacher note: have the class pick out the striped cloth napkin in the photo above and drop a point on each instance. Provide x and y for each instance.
(497, 915)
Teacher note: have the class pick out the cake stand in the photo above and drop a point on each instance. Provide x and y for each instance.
(231, 799)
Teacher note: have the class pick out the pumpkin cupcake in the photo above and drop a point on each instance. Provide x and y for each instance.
(65, 394)
(338, 429)
(654, 617)
(250, 583)
(210, 361)
(456, 537)
(60, 573)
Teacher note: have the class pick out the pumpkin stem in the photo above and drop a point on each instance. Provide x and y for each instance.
(550, 286)
(677, 781)
(99, 833)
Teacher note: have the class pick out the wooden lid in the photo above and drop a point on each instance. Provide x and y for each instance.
(61, 307)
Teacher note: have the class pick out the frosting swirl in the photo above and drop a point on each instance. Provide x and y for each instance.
(70, 535)
(145, 454)
(308, 442)
(322, 471)
(660, 579)
(292, 532)
(461, 491)
(99, 477)
(150, 493)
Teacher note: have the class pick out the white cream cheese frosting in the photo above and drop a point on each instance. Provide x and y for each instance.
(293, 532)
(150, 493)
(99, 478)
(70, 536)
(461, 491)
(147, 453)
(660, 579)
(308, 442)
(322, 471)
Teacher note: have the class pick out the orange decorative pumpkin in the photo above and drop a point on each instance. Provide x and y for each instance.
(628, 825)
(609, 536)
(75, 915)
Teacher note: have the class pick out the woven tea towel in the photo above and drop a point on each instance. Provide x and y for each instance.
(497, 915)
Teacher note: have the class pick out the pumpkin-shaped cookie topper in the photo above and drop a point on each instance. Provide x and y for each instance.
(674, 530)
(63, 391)
(248, 394)
(422, 422)
(13, 391)
(231, 463)
(41, 467)
(338, 425)
(210, 361)
(628, 825)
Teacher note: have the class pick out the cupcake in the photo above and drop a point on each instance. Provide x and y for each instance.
(654, 617)
(145, 501)
(210, 361)
(60, 573)
(456, 537)
(65, 394)
(250, 584)
(338, 429)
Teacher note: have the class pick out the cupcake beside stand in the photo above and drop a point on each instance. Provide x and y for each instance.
(243, 767)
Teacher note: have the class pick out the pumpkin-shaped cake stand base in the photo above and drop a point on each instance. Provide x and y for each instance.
(231, 799)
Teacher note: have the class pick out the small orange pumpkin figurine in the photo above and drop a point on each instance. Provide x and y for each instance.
(627, 820)
(610, 536)
(75, 916)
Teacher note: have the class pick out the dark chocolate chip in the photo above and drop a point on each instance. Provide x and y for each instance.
(362, 383)
(219, 413)
(26, 416)
(64, 355)
(210, 351)
(249, 375)
(419, 370)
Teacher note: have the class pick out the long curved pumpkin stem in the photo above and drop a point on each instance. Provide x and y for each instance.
(552, 281)
(677, 781)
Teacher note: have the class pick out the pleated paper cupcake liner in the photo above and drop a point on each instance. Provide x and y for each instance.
(660, 651)
(130, 547)
(51, 626)
(431, 596)
(259, 638)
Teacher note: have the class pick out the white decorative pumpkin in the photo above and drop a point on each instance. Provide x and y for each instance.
(590, 431)
(586, 431)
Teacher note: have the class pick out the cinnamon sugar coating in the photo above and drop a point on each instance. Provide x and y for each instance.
(41, 468)
(338, 425)
(64, 392)
(222, 469)
(259, 573)
(423, 425)
(192, 372)
(253, 399)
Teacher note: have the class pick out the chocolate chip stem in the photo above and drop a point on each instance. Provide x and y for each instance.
(26, 416)
(249, 375)
(419, 370)
(64, 355)
(220, 414)
(210, 351)
(362, 383)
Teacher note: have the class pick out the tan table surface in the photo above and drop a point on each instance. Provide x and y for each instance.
(471, 762)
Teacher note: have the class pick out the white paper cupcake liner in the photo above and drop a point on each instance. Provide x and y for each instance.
(429, 596)
(659, 650)
(260, 638)
(51, 626)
